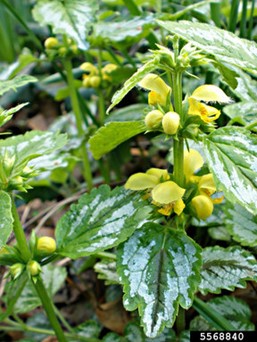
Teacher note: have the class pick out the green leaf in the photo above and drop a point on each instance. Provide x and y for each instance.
(107, 271)
(224, 46)
(242, 225)
(6, 115)
(133, 112)
(231, 154)
(226, 268)
(244, 112)
(133, 81)
(112, 134)
(15, 83)
(70, 17)
(53, 278)
(233, 309)
(6, 222)
(13, 291)
(30, 146)
(123, 32)
(101, 220)
(160, 270)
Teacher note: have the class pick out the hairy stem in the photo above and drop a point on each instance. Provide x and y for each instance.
(49, 309)
(178, 145)
(19, 234)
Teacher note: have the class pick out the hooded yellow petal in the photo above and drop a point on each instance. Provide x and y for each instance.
(167, 192)
(141, 181)
(193, 161)
(162, 175)
(210, 93)
(207, 113)
(179, 206)
(206, 185)
(155, 83)
(157, 98)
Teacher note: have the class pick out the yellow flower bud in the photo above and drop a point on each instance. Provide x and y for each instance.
(46, 245)
(153, 119)
(95, 81)
(62, 51)
(17, 181)
(86, 81)
(203, 206)
(89, 68)
(51, 43)
(33, 268)
(170, 123)
(16, 270)
(74, 49)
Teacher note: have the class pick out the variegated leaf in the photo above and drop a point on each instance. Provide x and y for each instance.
(160, 270)
(134, 80)
(225, 46)
(6, 114)
(232, 157)
(101, 220)
(226, 268)
(242, 225)
(6, 222)
(70, 17)
(242, 112)
(31, 145)
(236, 311)
(112, 134)
(16, 82)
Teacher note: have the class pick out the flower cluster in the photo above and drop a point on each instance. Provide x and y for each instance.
(92, 78)
(169, 197)
(56, 48)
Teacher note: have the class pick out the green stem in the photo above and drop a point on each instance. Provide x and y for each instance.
(20, 235)
(243, 21)
(233, 15)
(76, 109)
(212, 316)
(216, 13)
(178, 144)
(251, 125)
(49, 308)
(181, 321)
(250, 23)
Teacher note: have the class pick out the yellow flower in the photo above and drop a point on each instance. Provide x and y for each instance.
(165, 193)
(170, 123)
(203, 206)
(159, 90)
(207, 93)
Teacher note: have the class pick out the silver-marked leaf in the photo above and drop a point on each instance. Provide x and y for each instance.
(226, 268)
(70, 17)
(236, 311)
(29, 146)
(113, 134)
(16, 82)
(6, 114)
(106, 270)
(242, 225)
(243, 112)
(6, 221)
(125, 31)
(133, 81)
(231, 154)
(225, 46)
(53, 278)
(160, 270)
(101, 220)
